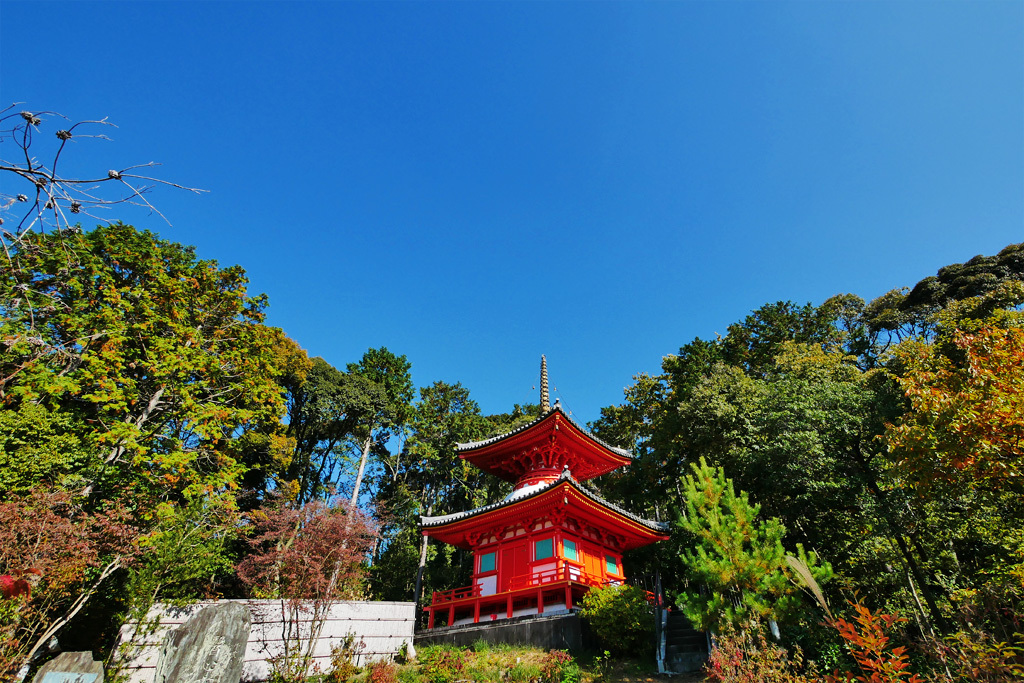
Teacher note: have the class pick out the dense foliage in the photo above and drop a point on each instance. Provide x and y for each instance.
(130, 367)
(737, 565)
(191, 451)
(621, 617)
(159, 442)
(885, 436)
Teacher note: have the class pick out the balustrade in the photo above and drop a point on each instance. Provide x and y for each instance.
(533, 586)
(522, 582)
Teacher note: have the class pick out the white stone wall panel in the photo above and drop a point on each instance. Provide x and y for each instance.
(383, 628)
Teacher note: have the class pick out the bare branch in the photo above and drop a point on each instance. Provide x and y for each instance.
(36, 197)
(54, 198)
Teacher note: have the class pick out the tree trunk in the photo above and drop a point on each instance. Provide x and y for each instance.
(422, 567)
(894, 531)
(118, 450)
(75, 608)
(362, 468)
(423, 563)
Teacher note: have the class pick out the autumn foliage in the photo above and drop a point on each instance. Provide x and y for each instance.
(966, 422)
(311, 557)
(62, 554)
(313, 552)
(867, 641)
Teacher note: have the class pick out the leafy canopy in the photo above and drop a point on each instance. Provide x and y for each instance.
(159, 359)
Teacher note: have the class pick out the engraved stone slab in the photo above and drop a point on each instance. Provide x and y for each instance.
(70, 667)
(208, 648)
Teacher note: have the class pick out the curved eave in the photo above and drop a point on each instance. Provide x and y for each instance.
(490, 455)
(453, 529)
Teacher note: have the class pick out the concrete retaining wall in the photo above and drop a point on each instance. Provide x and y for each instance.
(382, 629)
(556, 632)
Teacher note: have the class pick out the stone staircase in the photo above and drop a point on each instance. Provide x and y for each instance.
(686, 649)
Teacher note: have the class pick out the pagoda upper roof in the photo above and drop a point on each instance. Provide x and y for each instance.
(508, 456)
(566, 495)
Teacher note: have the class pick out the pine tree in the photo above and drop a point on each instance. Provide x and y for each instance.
(739, 559)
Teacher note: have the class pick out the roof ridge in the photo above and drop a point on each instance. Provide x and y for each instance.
(557, 408)
(426, 522)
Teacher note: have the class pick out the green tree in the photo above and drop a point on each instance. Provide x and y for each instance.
(187, 550)
(159, 357)
(132, 371)
(427, 477)
(268, 451)
(621, 617)
(907, 313)
(325, 410)
(385, 395)
(739, 558)
(753, 343)
(445, 416)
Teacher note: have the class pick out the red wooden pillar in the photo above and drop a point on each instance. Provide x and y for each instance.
(568, 595)
(430, 617)
(476, 611)
(451, 615)
(540, 601)
(509, 608)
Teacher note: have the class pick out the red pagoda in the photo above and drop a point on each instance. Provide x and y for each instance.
(550, 540)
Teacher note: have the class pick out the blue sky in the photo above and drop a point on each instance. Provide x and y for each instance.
(474, 184)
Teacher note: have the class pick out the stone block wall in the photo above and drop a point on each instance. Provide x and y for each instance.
(381, 628)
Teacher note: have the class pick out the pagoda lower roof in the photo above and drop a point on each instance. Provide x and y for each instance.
(566, 495)
(553, 440)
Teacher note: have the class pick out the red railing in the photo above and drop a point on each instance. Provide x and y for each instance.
(441, 597)
(524, 581)
(535, 579)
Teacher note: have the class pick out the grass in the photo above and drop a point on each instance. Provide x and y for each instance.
(485, 662)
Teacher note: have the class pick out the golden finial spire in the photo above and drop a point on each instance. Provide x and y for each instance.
(545, 404)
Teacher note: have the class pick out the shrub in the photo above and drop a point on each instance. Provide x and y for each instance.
(408, 674)
(343, 656)
(989, 645)
(745, 655)
(974, 655)
(558, 666)
(620, 617)
(443, 664)
(602, 666)
(866, 640)
(383, 672)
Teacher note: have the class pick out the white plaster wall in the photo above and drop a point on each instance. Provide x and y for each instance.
(554, 607)
(488, 585)
(383, 628)
(537, 568)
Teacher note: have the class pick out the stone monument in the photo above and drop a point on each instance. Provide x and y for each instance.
(70, 667)
(208, 648)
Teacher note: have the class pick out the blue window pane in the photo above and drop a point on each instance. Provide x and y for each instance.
(611, 566)
(487, 562)
(569, 547)
(544, 549)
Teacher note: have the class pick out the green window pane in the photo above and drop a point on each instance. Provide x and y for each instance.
(569, 547)
(544, 549)
(487, 562)
(611, 566)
